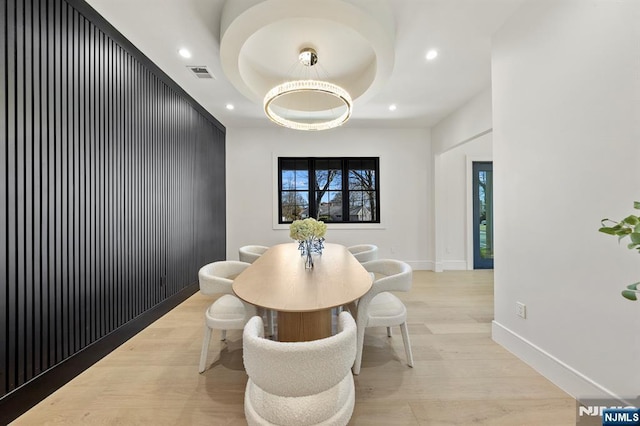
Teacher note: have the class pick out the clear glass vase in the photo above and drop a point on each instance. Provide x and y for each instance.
(308, 262)
(306, 248)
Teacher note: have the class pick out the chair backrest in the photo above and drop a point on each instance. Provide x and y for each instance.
(299, 368)
(391, 275)
(217, 277)
(250, 254)
(364, 252)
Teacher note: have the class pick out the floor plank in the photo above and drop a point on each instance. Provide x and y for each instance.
(460, 375)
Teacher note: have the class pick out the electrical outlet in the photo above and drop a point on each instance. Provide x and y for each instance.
(521, 310)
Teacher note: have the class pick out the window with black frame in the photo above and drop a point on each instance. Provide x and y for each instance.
(332, 189)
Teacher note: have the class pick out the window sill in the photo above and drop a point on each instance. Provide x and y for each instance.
(338, 226)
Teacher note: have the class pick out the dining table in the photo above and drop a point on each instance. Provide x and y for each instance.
(303, 297)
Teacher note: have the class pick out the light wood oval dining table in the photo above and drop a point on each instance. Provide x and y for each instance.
(303, 298)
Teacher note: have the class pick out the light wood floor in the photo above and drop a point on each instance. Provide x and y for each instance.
(460, 377)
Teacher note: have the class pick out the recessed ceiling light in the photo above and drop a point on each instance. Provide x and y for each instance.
(230, 107)
(432, 54)
(393, 107)
(184, 52)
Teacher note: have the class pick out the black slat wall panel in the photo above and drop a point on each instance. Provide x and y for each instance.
(111, 181)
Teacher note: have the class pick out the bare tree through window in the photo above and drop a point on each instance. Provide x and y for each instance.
(329, 189)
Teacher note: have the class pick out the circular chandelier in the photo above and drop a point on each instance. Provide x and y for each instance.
(283, 106)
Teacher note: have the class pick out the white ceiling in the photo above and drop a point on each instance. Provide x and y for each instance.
(424, 91)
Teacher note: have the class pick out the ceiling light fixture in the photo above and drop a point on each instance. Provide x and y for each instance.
(432, 54)
(393, 107)
(230, 107)
(308, 104)
(184, 52)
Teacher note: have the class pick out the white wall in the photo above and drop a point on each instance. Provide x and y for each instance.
(405, 187)
(465, 132)
(566, 144)
(455, 226)
(465, 124)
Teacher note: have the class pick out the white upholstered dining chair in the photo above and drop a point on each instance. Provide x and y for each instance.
(250, 254)
(227, 312)
(380, 308)
(364, 252)
(299, 383)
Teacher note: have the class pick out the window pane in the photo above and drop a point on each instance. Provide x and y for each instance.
(362, 190)
(328, 190)
(330, 207)
(362, 206)
(362, 179)
(302, 179)
(288, 179)
(295, 179)
(328, 179)
(294, 164)
(485, 216)
(295, 205)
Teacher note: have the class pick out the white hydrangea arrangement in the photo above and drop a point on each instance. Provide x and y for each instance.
(305, 229)
(310, 234)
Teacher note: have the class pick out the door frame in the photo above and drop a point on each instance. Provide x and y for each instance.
(469, 204)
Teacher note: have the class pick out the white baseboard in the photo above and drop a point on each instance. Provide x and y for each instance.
(445, 265)
(454, 265)
(562, 375)
(421, 265)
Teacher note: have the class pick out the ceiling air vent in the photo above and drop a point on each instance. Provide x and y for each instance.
(200, 71)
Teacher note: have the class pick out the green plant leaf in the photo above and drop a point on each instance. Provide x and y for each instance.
(608, 223)
(629, 226)
(634, 286)
(623, 232)
(607, 230)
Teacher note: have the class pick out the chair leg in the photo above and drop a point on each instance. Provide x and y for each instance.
(205, 348)
(267, 316)
(223, 335)
(407, 343)
(389, 332)
(270, 327)
(360, 342)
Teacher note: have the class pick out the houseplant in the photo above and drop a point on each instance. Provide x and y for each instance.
(627, 227)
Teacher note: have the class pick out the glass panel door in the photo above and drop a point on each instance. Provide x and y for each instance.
(483, 215)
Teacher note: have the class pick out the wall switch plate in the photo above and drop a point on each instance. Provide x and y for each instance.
(521, 310)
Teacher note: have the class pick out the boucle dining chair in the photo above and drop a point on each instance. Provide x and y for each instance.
(364, 252)
(250, 254)
(380, 308)
(299, 383)
(227, 312)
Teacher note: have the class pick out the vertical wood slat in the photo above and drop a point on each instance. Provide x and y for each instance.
(36, 161)
(7, 163)
(15, 207)
(4, 277)
(103, 187)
